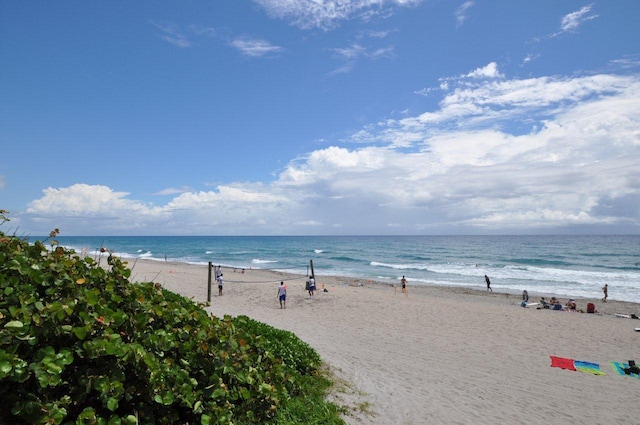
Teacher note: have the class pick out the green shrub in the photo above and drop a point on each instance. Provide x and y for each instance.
(81, 344)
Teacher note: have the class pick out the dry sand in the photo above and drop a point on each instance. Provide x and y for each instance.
(438, 355)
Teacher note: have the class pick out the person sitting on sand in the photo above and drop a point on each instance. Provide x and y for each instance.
(633, 368)
(571, 304)
(544, 303)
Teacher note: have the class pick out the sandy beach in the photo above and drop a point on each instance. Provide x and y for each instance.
(438, 355)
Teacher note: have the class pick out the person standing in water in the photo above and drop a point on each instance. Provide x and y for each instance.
(605, 291)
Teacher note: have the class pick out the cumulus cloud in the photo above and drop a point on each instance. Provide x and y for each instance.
(327, 14)
(489, 71)
(498, 154)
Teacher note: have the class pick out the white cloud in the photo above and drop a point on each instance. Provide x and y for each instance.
(255, 47)
(351, 52)
(461, 12)
(355, 52)
(529, 58)
(498, 154)
(326, 14)
(172, 34)
(173, 191)
(182, 37)
(489, 71)
(573, 20)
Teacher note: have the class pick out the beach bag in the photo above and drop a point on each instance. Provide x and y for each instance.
(591, 308)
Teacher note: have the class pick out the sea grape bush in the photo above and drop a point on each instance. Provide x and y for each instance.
(81, 344)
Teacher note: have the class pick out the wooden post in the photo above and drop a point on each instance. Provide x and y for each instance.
(313, 275)
(209, 285)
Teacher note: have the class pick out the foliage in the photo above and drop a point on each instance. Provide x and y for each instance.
(81, 344)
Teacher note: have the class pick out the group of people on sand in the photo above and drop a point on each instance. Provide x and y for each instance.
(555, 304)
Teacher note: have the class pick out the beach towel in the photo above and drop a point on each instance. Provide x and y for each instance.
(588, 367)
(562, 363)
(619, 367)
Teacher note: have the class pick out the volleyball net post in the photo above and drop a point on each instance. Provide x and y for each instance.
(209, 284)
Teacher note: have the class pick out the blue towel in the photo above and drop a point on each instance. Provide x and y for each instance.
(588, 367)
(619, 367)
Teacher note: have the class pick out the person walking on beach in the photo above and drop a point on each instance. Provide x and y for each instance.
(312, 285)
(605, 290)
(220, 285)
(486, 279)
(282, 295)
(403, 283)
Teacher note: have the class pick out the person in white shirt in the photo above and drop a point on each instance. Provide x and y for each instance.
(282, 295)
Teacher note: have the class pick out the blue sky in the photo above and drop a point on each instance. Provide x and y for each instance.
(314, 117)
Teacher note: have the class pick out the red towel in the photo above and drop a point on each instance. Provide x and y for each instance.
(562, 363)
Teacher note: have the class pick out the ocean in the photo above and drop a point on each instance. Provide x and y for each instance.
(565, 266)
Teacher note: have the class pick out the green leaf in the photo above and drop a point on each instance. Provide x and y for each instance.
(131, 420)
(80, 332)
(14, 324)
(112, 404)
(245, 393)
(114, 420)
(167, 399)
(5, 367)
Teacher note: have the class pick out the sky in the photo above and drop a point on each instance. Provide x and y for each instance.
(320, 117)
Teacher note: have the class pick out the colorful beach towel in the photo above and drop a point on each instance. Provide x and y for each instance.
(588, 367)
(562, 363)
(619, 367)
(579, 365)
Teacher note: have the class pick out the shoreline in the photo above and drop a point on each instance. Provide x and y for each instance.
(436, 354)
(610, 307)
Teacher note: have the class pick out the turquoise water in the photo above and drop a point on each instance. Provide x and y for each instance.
(567, 266)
